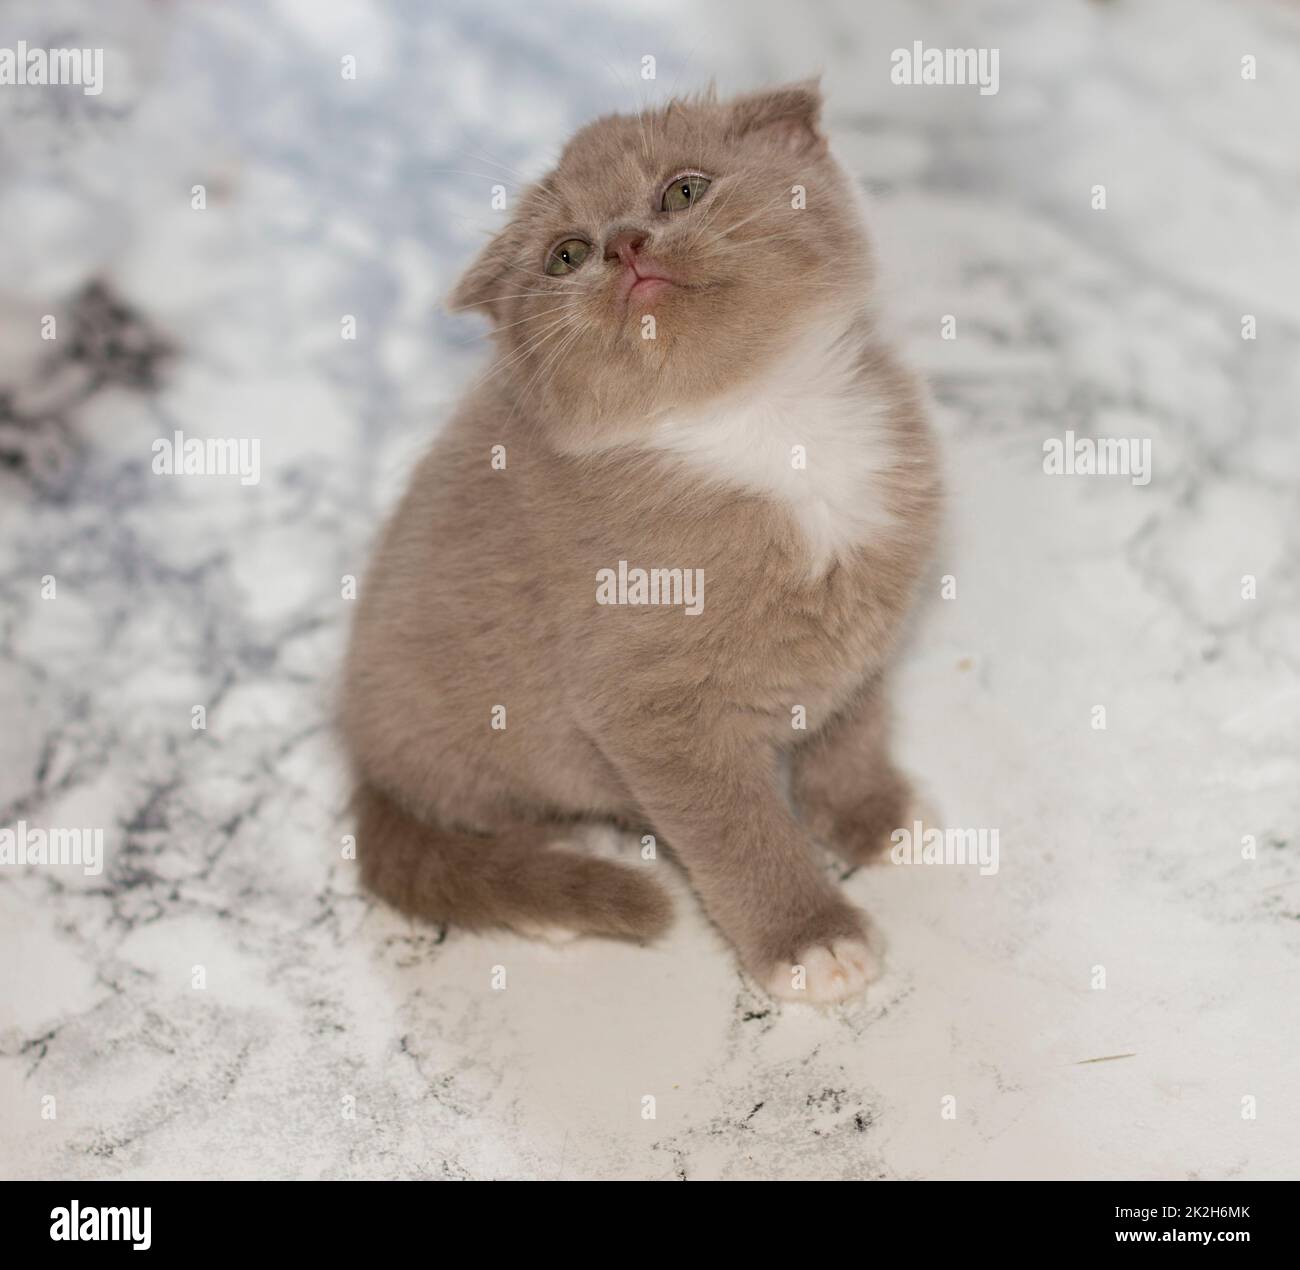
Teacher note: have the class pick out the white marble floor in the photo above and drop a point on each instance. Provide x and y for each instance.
(333, 1039)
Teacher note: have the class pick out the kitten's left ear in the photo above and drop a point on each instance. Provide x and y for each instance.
(483, 284)
(789, 117)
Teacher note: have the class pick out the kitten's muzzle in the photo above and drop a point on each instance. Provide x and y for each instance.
(642, 278)
(623, 245)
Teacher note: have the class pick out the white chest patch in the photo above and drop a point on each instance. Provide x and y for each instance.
(810, 435)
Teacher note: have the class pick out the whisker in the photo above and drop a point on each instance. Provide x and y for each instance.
(552, 356)
(531, 345)
(505, 326)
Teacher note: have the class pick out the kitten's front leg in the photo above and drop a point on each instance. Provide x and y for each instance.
(848, 791)
(753, 867)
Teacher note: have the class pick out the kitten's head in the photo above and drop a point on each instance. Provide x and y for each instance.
(668, 257)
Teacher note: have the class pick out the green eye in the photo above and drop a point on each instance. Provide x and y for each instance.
(567, 257)
(683, 192)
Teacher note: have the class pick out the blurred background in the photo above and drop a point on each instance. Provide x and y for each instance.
(327, 196)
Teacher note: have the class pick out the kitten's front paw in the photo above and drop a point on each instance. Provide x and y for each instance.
(825, 973)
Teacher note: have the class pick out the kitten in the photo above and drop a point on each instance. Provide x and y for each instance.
(687, 377)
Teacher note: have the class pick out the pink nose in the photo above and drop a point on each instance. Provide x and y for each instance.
(624, 244)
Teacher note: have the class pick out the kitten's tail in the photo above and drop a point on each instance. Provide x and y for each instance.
(518, 880)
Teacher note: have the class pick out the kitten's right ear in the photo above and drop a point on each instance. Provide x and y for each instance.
(789, 117)
(485, 282)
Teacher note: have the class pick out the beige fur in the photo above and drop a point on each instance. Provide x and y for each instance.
(671, 452)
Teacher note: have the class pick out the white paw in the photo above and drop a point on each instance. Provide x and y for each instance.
(548, 934)
(824, 974)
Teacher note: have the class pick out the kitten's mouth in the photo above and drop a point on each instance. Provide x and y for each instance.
(644, 281)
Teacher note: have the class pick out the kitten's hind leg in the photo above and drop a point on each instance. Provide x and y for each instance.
(844, 783)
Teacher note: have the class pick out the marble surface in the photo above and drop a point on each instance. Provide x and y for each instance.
(334, 1039)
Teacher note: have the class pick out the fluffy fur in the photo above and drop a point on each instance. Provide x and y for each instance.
(677, 452)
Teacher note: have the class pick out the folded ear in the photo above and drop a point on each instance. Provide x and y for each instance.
(487, 280)
(788, 117)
